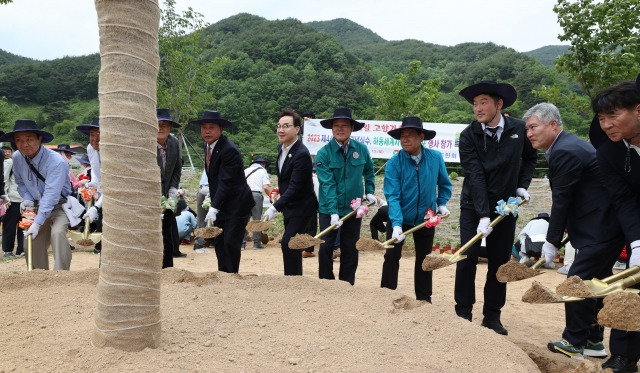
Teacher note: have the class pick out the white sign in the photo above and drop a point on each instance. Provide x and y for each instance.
(381, 145)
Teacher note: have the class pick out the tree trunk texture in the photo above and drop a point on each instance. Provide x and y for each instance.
(128, 311)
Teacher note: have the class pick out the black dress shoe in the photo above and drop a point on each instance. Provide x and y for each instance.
(496, 326)
(620, 364)
(180, 254)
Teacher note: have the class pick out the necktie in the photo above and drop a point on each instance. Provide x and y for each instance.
(493, 131)
(163, 155)
(208, 156)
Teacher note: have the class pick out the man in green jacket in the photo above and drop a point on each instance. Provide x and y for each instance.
(345, 172)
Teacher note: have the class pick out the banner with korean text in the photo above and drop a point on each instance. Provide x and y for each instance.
(380, 144)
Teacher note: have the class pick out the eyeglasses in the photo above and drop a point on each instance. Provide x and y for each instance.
(285, 126)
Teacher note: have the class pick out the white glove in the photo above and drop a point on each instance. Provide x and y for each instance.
(173, 192)
(635, 257)
(549, 251)
(335, 220)
(270, 213)
(372, 199)
(91, 184)
(84, 182)
(33, 230)
(522, 193)
(524, 258)
(397, 234)
(25, 204)
(211, 215)
(443, 210)
(92, 214)
(483, 227)
(5, 198)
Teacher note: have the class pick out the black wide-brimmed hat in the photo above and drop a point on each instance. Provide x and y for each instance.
(26, 125)
(342, 113)
(84, 159)
(412, 123)
(261, 159)
(542, 215)
(64, 148)
(506, 91)
(309, 114)
(86, 128)
(212, 116)
(165, 114)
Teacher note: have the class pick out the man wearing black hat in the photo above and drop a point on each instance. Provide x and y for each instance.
(415, 181)
(231, 199)
(258, 181)
(615, 132)
(43, 180)
(297, 200)
(345, 172)
(498, 162)
(170, 163)
(93, 153)
(575, 179)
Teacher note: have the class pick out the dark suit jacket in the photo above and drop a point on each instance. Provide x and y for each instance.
(581, 203)
(228, 187)
(297, 197)
(170, 175)
(623, 186)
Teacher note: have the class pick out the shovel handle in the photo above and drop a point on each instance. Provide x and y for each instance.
(478, 235)
(624, 274)
(29, 253)
(85, 233)
(388, 243)
(631, 280)
(542, 259)
(333, 226)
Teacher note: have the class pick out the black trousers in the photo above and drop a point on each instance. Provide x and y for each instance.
(292, 259)
(378, 221)
(228, 244)
(10, 229)
(581, 318)
(499, 244)
(312, 229)
(349, 235)
(170, 239)
(422, 280)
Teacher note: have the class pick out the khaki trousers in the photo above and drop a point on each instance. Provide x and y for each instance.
(53, 232)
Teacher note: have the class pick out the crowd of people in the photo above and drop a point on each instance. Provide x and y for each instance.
(498, 154)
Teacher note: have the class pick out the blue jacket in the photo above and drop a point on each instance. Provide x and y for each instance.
(411, 190)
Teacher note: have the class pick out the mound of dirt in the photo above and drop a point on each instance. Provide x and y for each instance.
(621, 311)
(573, 286)
(514, 271)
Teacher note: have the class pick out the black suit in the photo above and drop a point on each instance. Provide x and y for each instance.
(624, 188)
(297, 201)
(582, 205)
(170, 174)
(231, 196)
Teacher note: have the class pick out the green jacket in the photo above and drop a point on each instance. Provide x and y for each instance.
(341, 178)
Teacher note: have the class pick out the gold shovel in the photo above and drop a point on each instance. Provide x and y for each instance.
(366, 244)
(208, 231)
(85, 238)
(539, 263)
(302, 241)
(259, 225)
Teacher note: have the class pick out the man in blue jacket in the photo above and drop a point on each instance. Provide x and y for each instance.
(345, 172)
(410, 181)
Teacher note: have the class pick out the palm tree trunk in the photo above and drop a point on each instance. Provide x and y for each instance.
(128, 313)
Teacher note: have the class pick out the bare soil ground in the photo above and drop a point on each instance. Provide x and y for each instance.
(261, 321)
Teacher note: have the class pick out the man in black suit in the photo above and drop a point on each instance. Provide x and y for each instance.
(297, 200)
(231, 199)
(169, 161)
(594, 231)
(615, 132)
(498, 162)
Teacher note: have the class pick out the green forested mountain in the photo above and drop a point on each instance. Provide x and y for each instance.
(262, 66)
(8, 58)
(546, 55)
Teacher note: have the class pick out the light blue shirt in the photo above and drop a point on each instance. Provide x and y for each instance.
(57, 185)
(186, 223)
(204, 180)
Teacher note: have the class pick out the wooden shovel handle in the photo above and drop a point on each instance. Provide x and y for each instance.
(87, 222)
(390, 242)
(478, 235)
(29, 253)
(333, 226)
